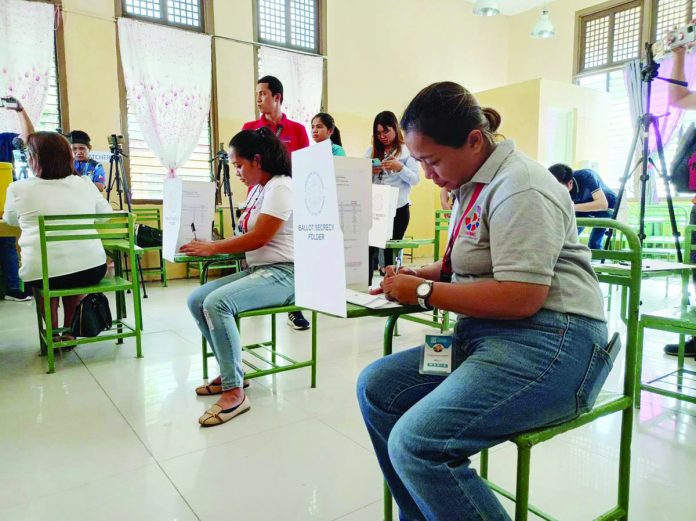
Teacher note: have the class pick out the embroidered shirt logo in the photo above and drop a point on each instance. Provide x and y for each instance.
(472, 222)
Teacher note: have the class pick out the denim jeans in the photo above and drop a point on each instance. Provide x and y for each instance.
(9, 262)
(216, 304)
(510, 377)
(597, 234)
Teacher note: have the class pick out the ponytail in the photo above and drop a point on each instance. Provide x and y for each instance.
(275, 159)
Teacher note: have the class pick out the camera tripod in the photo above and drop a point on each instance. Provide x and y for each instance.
(222, 180)
(117, 179)
(645, 123)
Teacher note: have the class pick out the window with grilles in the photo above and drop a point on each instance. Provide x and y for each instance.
(180, 13)
(670, 13)
(289, 23)
(611, 37)
(147, 173)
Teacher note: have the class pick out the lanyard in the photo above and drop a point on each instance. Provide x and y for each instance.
(446, 272)
(244, 220)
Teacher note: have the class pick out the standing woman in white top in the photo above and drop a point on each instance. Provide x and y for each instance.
(55, 191)
(393, 166)
(261, 162)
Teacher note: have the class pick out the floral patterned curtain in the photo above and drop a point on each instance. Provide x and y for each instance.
(302, 77)
(168, 81)
(26, 50)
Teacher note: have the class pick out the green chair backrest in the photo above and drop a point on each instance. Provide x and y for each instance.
(630, 256)
(152, 216)
(82, 227)
(657, 222)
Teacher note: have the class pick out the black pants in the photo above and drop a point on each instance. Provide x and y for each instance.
(401, 219)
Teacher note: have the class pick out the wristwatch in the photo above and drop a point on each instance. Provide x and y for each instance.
(423, 291)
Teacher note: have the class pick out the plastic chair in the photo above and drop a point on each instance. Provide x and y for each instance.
(118, 230)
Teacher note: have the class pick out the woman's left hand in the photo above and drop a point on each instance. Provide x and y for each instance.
(402, 288)
(198, 249)
(393, 165)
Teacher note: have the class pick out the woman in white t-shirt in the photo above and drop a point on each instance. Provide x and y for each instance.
(261, 162)
(55, 191)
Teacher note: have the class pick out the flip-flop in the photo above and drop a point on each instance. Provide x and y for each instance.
(216, 415)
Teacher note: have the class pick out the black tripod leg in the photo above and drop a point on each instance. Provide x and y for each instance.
(663, 173)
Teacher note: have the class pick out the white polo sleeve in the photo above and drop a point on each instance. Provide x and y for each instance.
(277, 198)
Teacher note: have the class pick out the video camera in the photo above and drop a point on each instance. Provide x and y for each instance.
(9, 102)
(115, 143)
(681, 36)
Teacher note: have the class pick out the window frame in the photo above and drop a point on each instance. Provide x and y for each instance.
(653, 19)
(610, 9)
(319, 24)
(202, 16)
(207, 23)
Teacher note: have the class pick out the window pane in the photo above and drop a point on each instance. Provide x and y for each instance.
(669, 14)
(147, 173)
(627, 34)
(148, 8)
(50, 117)
(302, 23)
(272, 23)
(621, 130)
(185, 12)
(596, 43)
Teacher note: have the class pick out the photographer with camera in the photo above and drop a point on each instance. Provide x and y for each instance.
(9, 260)
(84, 165)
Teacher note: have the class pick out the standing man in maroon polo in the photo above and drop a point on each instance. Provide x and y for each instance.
(269, 100)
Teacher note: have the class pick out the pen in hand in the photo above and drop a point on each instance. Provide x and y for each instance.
(397, 265)
(193, 229)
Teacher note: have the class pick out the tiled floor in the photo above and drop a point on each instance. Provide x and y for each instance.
(111, 437)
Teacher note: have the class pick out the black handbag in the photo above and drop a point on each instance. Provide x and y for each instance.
(147, 236)
(92, 316)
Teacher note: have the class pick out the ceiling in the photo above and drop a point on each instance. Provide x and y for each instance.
(512, 7)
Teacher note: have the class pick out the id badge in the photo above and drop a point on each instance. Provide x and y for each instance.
(436, 357)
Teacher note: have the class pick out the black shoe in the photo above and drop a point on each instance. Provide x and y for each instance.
(16, 295)
(298, 321)
(689, 348)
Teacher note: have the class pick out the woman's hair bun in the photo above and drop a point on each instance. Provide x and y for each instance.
(493, 117)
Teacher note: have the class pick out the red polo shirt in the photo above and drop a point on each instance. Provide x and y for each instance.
(292, 134)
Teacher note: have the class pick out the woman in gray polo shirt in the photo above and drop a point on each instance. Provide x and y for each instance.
(529, 342)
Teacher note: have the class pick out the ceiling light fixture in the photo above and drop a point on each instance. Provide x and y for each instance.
(543, 28)
(486, 8)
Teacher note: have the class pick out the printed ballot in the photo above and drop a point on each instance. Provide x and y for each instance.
(188, 212)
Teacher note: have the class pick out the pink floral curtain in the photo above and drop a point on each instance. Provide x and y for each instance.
(26, 50)
(168, 81)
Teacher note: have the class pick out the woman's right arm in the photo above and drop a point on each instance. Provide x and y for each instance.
(264, 230)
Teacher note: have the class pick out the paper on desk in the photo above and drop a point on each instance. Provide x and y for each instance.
(186, 202)
(369, 301)
(353, 188)
(384, 200)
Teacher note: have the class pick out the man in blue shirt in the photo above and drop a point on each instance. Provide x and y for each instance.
(84, 165)
(9, 261)
(592, 198)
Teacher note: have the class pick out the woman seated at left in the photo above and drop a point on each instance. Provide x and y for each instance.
(262, 162)
(55, 191)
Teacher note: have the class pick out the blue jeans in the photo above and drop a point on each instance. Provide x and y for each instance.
(597, 234)
(216, 304)
(9, 262)
(510, 377)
